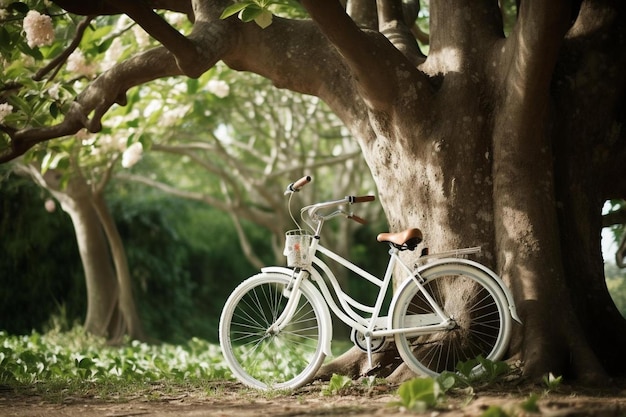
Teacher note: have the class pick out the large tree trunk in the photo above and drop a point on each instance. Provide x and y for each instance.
(476, 168)
(590, 84)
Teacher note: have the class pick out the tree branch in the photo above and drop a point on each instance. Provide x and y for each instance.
(110, 88)
(391, 23)
(370, 56)
(56, 63)
(143, 13)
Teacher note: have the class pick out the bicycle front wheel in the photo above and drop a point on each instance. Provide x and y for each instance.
(261, 357)
(468, 296)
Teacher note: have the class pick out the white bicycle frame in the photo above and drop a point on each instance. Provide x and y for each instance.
(376, 325)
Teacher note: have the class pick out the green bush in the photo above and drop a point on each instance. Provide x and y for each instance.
(40, 269)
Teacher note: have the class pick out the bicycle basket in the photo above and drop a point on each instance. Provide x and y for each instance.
(297, 245)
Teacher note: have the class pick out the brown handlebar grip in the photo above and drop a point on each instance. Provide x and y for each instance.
(362, 199)
(301, 182)
(357, 219)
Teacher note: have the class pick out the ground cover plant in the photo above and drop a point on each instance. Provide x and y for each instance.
(56, 357)
(71, 374)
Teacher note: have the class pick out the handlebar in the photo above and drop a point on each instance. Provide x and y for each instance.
(294, 187)
(357, 219)
(311, 210)
(361, 199)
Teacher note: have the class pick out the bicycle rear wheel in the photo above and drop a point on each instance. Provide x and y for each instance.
(469, 297)
(265, 359)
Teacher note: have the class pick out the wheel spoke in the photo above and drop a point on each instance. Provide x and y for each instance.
(464, 294)
(285, 358)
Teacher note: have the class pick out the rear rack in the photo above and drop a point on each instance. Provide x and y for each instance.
(456, 253)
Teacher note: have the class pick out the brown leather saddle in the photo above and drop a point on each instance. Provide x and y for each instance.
(406, 239)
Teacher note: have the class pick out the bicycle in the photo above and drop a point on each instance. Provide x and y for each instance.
(275, 329)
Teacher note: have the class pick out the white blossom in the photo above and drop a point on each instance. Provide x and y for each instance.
(53, 91)
(76, 63)
(218, 87)
(85, 137)
(112, 54)
(38, 29)
(142, 38)
(172, 115)
(5, 110)
(132, 155)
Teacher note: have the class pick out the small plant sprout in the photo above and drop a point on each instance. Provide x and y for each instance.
(551, 382)
(530, 405)
(337, 384)
(481, 370)
(419, 394)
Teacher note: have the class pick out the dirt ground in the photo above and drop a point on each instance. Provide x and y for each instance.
(226, 399)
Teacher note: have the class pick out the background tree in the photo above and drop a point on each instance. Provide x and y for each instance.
(77, 171)
(251, 142)
(511, 142)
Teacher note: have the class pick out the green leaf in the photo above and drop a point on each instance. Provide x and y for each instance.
(447, 380)
(19, 7)
(51, 161)
(494, 411)
(418, 393)
(103, 46)
(530, 405)
(54, 109)
(465, 368)
(35, 53)
(264, 19)
(337, 383)
(236, 8)
(192, 85)
(250, 13)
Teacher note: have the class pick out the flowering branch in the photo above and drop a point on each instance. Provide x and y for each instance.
(59, 60)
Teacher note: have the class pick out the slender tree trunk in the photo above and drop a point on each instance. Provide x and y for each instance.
(130, 324)
(101, 283)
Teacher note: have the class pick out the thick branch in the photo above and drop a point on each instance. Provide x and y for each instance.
(535, 44)
(143, 13)
(392, 24)
(370, 56)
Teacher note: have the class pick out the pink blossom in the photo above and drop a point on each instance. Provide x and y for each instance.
(50, 205)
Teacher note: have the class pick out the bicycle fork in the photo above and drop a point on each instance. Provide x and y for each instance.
(292, 292)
